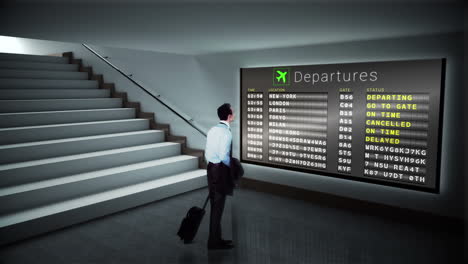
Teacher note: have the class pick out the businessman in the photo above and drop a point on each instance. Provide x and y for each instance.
(218, 155)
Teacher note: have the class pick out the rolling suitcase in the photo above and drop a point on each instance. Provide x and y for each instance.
(191, 222)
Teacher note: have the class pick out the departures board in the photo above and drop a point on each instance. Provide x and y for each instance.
(378, 122)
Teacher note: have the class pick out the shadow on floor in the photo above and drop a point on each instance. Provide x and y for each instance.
(265, 228)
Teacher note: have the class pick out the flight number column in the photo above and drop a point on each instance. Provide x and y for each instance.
(255, 126)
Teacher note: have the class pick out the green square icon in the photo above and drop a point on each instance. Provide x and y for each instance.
(281, 76)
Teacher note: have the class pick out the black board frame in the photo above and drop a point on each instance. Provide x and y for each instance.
(435, 190)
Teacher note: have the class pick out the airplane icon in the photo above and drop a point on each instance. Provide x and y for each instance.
(282, 75)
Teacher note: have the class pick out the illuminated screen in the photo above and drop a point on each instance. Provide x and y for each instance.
(377, 122)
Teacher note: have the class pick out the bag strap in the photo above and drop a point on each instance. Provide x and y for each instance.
(206, 201)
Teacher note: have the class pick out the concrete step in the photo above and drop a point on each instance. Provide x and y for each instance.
(16, 135)
(42, 219)
(45, 169)
(18, 106)
(11, 94)
(62, 117)
(36, 194)
(24, 65)
(46, 75)
(69, 146)
(32, 58)
(48, 84)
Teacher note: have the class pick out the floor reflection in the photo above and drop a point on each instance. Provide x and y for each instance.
(265, 229)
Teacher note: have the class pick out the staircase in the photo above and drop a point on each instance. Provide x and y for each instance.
(73, 149)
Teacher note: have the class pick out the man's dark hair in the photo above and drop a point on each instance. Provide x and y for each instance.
(224, 111)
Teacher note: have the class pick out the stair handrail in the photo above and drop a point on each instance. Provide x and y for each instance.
(156, 97)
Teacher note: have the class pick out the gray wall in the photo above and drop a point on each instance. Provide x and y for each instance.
(198, 84)
(173, 77)
(341, 33)
(196, 27)
(223, 72)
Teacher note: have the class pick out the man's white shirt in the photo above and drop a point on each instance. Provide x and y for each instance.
(218, 143)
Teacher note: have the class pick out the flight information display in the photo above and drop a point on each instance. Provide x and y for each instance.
(377, 122)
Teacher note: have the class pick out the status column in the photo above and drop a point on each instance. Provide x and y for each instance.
(396, 139)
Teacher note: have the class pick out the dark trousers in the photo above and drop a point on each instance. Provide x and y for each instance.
(217, 200)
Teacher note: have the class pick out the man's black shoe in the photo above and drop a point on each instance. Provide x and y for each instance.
(226, 242)
(220, 246)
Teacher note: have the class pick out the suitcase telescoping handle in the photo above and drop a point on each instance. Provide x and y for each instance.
(206, 201)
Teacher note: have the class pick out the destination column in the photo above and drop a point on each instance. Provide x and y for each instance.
(255, 126)
(396, 136)
(297, 129)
